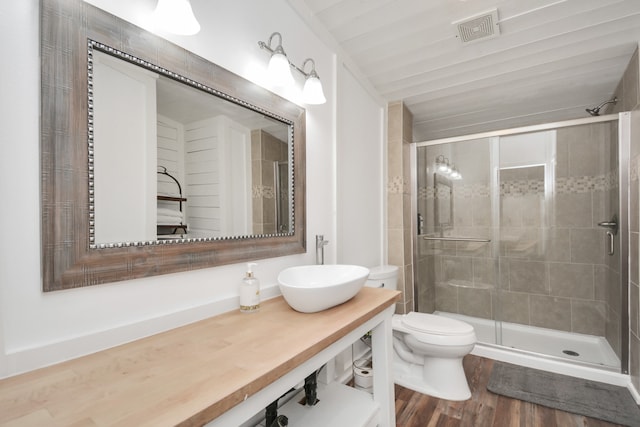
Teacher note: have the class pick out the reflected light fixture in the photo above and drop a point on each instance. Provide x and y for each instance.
(176, 17)
(442, 164)
(454, 173)
(279, 72)
(447, 169)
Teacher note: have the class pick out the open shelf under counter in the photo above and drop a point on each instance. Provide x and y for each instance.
(338, 405)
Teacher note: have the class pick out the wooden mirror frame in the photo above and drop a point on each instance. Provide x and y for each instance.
(68, 261)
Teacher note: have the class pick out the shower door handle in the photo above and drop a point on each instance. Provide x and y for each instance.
(609, 224)
(612, 224)
(611, 243)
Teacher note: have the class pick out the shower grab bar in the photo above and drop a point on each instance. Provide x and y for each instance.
(458, 239)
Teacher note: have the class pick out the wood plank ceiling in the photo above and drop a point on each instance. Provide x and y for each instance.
(550, 61)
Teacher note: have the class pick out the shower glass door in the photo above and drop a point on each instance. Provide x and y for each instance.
(456, 248)
(523, 239)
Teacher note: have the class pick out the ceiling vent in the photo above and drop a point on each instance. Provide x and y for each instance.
(479, 27)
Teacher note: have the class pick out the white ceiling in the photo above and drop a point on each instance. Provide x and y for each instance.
(186, 104)
(552, 59)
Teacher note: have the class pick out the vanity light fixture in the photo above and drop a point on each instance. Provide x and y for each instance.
(279, 69)
(312, 92)
(279, 72)
(176, 16)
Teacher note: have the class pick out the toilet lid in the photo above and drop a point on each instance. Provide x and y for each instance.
(434, 324)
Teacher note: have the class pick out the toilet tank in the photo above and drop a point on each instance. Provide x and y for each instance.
(384, 276)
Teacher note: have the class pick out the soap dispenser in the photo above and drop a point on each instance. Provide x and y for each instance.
(250, 291)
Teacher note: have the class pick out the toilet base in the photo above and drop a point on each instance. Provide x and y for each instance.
(441, 378)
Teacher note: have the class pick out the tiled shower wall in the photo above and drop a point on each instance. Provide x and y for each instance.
(399, 201)
(455, 277)
(628, 93)
(265, 150)
(554, 272)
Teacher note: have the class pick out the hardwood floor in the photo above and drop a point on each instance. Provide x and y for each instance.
(484, 409)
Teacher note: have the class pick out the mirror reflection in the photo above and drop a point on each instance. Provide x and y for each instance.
(173, 161)
(443, 202)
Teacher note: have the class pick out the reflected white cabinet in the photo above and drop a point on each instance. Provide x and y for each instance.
(129, 148)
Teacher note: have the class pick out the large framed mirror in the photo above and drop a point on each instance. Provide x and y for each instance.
(155, 160)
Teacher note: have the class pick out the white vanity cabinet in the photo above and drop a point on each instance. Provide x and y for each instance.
(339, 404)
(124, 147)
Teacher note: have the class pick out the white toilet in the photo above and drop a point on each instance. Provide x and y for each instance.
(428, 348)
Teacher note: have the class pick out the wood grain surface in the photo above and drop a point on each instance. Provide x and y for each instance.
(185, 376)
(484, 409)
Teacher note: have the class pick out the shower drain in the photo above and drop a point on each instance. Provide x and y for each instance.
(571, 353)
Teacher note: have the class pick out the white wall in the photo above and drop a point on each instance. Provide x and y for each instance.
(37, 329)
(360, 167)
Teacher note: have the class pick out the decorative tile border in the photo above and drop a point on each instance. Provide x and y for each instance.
(396, 185)
(568, 185)
(585, 184)
(263, 192)
(521, 187)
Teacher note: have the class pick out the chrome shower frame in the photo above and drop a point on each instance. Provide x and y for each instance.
(623, 220)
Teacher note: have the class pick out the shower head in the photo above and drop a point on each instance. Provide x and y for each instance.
(595, 111)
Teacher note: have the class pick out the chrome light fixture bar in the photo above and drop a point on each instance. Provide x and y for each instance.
(176, 16)
(279, 72)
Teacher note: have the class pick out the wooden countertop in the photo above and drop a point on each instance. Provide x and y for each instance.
(185, 376)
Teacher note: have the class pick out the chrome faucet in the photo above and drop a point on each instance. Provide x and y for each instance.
(320, 244)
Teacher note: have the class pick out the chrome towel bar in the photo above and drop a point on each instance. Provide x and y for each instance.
(458, 239)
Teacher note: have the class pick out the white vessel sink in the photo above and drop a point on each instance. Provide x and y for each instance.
(311, 288)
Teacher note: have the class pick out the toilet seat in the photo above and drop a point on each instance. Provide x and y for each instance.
(434, 324)
(434, 329)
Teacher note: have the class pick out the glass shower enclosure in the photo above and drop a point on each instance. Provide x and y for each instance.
(523, 232)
